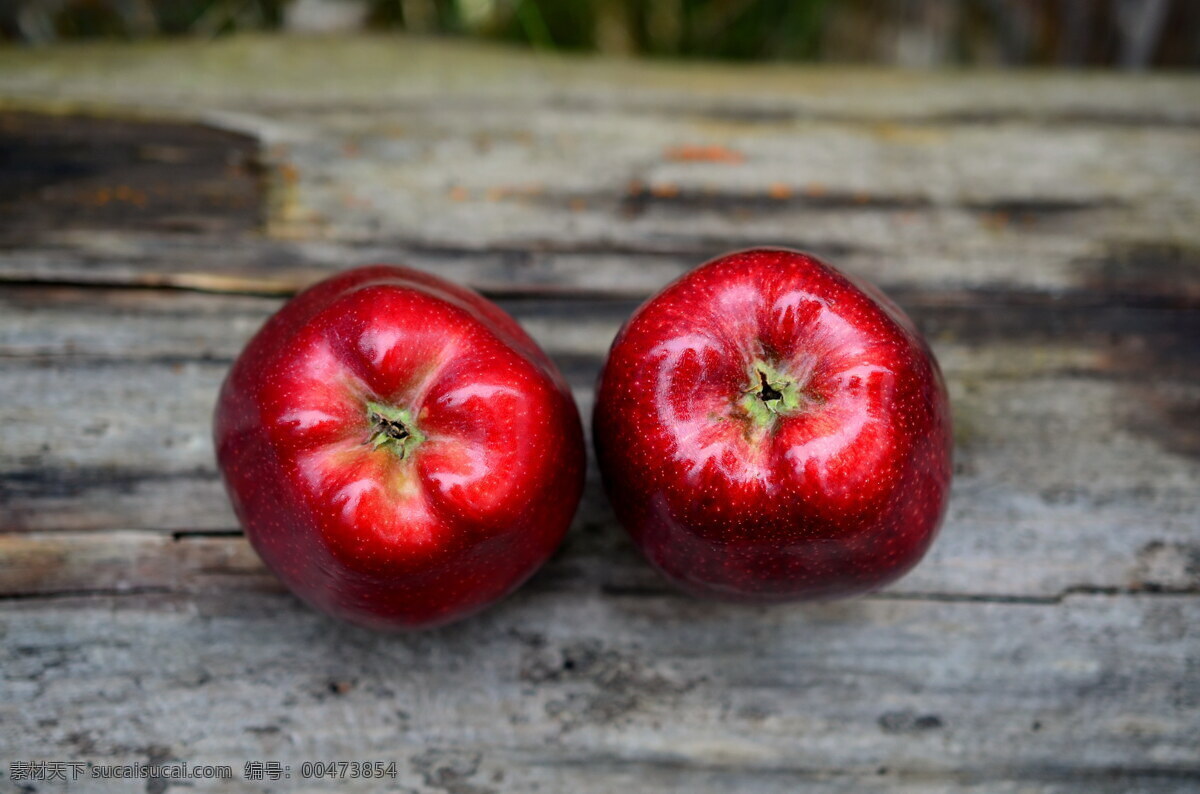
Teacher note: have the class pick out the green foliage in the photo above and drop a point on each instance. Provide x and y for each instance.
(907, 32)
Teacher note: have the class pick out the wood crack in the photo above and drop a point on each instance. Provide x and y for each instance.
(1149, 591)
(1055, 599)
(997, 296)
(1031, 772)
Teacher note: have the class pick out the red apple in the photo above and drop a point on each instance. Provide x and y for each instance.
(398, 450)
(769, 429)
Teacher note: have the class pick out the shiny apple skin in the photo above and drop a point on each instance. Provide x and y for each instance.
(357, 530)
(835, 496)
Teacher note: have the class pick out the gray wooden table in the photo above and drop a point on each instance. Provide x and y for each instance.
(157, 201)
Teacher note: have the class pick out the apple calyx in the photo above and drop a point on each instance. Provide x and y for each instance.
(771, 394)
(393, 429)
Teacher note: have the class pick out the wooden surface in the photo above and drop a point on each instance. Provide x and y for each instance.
(156, 203)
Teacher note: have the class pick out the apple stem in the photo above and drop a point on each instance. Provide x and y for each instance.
(393, 429)
(767, 392)
(771, 394)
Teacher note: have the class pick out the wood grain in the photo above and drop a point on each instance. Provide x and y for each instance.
(138, 454)
(570, 692)
(1040, 229)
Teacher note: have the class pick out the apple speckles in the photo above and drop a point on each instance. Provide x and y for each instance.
(399, 451)
(841, 492)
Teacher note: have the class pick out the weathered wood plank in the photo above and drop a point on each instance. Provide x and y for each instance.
(569, 196)
(249, 72)
(982, 333)
(665, 694)
(89, 172)
(612, 180)
(1128, 204)
(1156, 264)
(1040, 228)
(595, 559)
(1099, 386)
(128, 562)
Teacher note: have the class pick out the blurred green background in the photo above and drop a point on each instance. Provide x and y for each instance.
(1131, 34)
